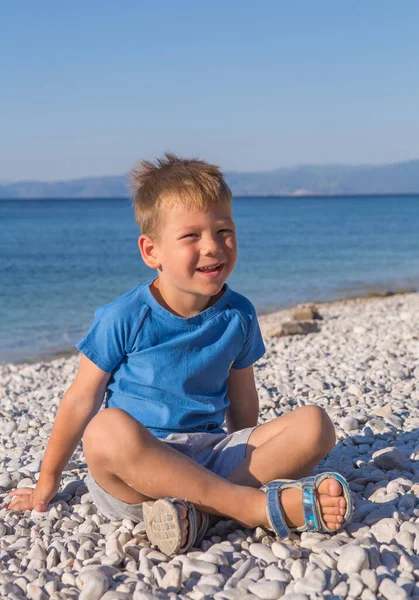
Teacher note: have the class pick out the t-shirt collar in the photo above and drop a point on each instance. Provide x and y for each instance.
(185, 321)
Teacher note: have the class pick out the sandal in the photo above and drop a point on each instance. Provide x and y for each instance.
(312, 513)
(164, 525)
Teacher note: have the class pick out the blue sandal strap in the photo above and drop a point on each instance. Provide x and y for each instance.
(311, 507)
(274, 512)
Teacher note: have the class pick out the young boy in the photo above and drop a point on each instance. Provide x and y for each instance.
(175, 358)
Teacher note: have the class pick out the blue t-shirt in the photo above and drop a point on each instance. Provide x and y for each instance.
(169, 372)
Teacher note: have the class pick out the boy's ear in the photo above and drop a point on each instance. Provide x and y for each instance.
(148, 251)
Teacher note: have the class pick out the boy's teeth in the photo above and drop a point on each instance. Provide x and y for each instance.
(209, 268)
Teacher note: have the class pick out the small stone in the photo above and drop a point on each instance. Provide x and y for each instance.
(217, 580)
(157, 557)
(367, 594)
(369, 578)
(216, 558)
(389, 458)
(26, 482)
(51, 587)
(305, 312)
(93, 584)
(355, 585)
(255, 574)
(241, 584)
(312, 582)
(385, 530)
(9, 588)
(244, 568)
(395, 421)
(6, 482)
(297, 569)
(33, 467)
(341, 589)
(37, 552)
(267, 590)
(407, 584)
(263, 552)
(172, 580)
(352, 559)
(349, 423)
(273, 572)
(281, 550)
(114, 559)
(293, 328)
(355, 390)
(34, 592)
(391, 591)
(192, 565)
(383, 411)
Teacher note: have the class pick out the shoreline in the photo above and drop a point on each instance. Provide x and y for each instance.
(290, 195)
(266, 319)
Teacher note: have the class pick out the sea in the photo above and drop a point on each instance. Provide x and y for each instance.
(61, 259)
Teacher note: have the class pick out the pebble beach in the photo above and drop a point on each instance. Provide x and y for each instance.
(362, 367)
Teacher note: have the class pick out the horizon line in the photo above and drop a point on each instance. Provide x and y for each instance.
(225, 172)
(256, 196)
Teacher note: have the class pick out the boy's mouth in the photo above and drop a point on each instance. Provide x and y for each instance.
(211, 271)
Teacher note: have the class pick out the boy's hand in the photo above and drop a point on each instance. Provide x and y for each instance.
(34, 498)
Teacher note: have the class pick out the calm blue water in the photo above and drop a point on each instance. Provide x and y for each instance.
(60, 259)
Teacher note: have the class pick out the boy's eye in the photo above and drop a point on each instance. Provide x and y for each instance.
(197, 235)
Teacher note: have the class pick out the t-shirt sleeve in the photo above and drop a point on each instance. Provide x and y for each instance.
(253, 347)
(107, 339)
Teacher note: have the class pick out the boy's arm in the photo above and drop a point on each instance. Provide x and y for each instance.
(243, 410)
(78, 406)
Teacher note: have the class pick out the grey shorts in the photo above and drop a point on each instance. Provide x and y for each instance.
(220, 453)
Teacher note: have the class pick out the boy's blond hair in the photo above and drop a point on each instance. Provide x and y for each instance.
(191, 183)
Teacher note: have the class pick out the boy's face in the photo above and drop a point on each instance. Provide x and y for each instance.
(190, 241)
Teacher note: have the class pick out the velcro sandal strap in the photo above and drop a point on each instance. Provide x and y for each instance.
(274, 512)
(310, 507)
(203, 528)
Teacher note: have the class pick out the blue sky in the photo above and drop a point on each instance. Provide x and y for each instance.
(88, 88)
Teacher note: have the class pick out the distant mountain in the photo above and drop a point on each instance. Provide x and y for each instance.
(303, 180)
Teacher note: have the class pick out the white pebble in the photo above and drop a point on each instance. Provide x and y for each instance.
(352, 559)
(391, 591)
(267, 590)
(263, 552)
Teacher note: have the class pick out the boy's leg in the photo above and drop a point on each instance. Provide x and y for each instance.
(134, 466)
(287, 447)
(127, 461)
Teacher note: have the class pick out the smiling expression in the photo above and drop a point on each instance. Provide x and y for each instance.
(196, 250)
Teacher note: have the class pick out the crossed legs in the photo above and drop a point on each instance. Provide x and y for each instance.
(131, 464)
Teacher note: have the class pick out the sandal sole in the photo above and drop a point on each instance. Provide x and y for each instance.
(163, 528)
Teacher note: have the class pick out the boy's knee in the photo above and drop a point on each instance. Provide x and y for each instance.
(101, 429)
(318, 429)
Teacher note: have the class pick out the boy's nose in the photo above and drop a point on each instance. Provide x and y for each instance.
(211, 246)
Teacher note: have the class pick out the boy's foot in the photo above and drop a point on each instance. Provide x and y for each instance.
(330, 497)
(331, 500)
